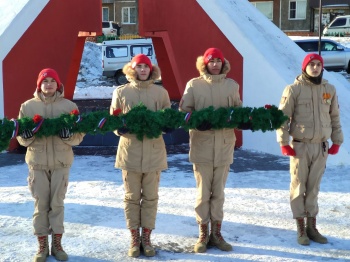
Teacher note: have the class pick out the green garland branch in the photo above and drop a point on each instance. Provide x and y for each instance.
(143, 122)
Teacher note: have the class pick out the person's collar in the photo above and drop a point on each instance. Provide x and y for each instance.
(48, 99)
(214, 78)
(314, 80)
(141, 84)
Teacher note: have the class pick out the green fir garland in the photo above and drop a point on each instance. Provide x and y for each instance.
(143, 122)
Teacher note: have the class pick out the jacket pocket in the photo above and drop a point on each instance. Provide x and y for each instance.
(36, 149)
(62, 147)
(202, 146)
(304, 106)
(129, 153)
(301, 130)
(325, 107)
(228, 146)
(326, 130)
(63, 155)
(158, 154)
(36, 155)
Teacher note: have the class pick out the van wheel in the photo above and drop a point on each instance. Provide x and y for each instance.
(348, 69)
(120, 78)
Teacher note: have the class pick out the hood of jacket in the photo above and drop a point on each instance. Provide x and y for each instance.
(131, 74)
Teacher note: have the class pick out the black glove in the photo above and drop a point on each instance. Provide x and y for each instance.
(204, 126)
(65, 133)
(245, 126)
(123, 130)
(167, 130)
(27, 133)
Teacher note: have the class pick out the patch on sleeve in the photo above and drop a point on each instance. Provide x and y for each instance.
(283, 100)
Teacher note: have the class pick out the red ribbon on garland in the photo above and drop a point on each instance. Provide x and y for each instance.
(39, 120)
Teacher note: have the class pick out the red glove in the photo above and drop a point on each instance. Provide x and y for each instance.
(287, 150)
(333, 149)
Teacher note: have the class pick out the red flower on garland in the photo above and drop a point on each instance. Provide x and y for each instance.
(75, 112)
(117, 111)
(268, 106)
(37, 118)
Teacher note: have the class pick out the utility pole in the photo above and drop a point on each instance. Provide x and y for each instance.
(320, 28)
(137, 16)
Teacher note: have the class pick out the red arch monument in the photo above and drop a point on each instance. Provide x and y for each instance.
(55, 38)
(181, 31)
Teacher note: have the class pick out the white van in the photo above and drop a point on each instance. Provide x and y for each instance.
(116, 53)
(340, 26)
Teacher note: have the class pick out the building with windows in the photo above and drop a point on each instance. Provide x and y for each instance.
(294, 17)
(271, 9)
(122, 12)
(301, 17)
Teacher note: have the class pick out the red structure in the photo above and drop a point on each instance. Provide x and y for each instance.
(55, 39)
(181, 31)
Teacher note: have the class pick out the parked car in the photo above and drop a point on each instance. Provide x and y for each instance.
(109, 28)
(340, 26)
(336, 57)
(116, 53)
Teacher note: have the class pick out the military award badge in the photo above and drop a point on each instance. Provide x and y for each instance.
(327, 98)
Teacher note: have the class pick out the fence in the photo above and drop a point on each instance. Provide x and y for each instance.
(101, 38)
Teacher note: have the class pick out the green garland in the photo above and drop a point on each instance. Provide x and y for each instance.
(143, 122)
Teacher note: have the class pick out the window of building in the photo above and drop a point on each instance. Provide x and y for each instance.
(105, 14)
(297, 9)
(265, 7)
(129, 15)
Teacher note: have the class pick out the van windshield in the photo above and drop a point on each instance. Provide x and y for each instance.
(116, 51)
(338, 22)
(141, 49)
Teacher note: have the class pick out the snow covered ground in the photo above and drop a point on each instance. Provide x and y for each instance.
(257, 222)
